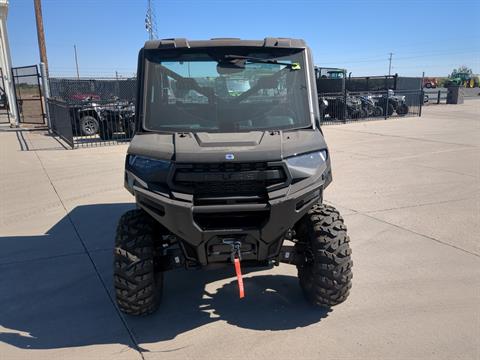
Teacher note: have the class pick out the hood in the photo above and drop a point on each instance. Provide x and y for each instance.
(226, 147)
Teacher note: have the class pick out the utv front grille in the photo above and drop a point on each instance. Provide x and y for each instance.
(232, 220)
(228, 183)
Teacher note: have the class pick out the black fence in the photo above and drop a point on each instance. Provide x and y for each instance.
(93, 112)
(92, 123)
(346, 107)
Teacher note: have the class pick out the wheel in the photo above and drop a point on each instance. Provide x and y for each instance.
(377, 111)
(326, 275)
(88, 125)
(129, 128)
(354, 114)
(402, 109)
(105, 131)
(137, 285)
(390, 109)
(428, 85)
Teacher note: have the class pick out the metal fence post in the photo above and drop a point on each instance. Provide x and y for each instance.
(46, 93)
(345, 111)
(422, 94)
(438, 97)
(386, 105)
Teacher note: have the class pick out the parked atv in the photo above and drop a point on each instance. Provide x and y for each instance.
(339, 109)
(228, 179)
(369, 108)
(86, 117)
(393, 104)
(91, 118)
(117, 117)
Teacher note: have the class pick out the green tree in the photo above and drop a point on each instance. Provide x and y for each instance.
(461, 69)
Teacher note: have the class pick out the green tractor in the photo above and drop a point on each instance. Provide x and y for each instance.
(463, 79)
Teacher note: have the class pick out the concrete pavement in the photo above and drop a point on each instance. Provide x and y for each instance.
(409, 191)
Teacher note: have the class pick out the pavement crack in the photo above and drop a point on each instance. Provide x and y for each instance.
(414, 206)
(422, 235)
(408, 137)
(370, 215)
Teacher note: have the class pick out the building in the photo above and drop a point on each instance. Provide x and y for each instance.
(6, 64)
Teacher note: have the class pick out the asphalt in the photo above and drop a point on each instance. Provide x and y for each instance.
(408, 189)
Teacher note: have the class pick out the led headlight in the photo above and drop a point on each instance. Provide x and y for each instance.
(147, 167)
(306, 165)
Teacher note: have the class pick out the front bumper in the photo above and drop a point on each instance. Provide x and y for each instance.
(203, 245)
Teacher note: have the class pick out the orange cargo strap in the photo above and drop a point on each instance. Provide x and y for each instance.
(238, 271)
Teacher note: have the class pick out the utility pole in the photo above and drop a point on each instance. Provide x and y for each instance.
(390, 64)
(76, 60)
(40, 33)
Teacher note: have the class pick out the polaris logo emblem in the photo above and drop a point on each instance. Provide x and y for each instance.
(229, 157)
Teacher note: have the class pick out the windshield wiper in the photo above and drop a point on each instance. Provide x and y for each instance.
(251, 59)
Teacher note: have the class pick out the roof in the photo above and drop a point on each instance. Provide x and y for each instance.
(184, 43)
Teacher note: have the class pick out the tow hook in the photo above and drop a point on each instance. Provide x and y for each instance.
(236, 257)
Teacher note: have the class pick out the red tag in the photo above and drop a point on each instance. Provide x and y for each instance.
(238, 271)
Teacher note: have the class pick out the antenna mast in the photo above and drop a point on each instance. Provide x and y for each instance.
(151, 22)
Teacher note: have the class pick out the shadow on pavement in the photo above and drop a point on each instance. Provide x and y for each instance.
(59, 302)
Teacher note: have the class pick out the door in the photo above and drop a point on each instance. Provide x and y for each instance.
(26, 82)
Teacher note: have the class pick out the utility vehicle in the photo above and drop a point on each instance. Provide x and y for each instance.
(226, 177)
(104, 118)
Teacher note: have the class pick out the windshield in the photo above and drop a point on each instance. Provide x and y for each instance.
(225, 90)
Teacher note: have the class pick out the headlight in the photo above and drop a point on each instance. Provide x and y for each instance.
(306, 165)
(151, 168)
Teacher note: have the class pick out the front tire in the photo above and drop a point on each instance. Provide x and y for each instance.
(137, 285)
(402, 109)
(88, 125)
(326, 275)
(377, 111)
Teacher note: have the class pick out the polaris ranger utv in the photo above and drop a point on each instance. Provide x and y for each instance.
(224, 174)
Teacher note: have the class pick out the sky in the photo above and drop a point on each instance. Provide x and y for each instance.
(423, 35)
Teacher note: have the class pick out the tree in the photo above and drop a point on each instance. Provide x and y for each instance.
(461, 69)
